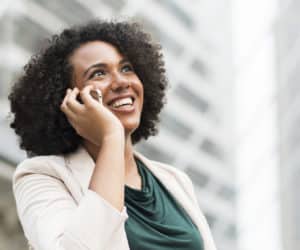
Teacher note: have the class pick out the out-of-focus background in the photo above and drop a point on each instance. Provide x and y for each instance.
(231, 118)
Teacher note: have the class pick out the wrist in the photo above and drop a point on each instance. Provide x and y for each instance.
(112, 143)
(116, 136)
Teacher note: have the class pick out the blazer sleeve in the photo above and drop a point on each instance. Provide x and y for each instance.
(52, 220)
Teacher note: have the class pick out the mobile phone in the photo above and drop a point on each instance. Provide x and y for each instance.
(95, 93)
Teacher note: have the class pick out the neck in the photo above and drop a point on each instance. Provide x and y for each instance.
(130, 165)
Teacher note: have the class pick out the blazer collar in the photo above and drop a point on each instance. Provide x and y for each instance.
(82, 165)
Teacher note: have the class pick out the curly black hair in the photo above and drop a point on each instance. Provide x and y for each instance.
(36, 96)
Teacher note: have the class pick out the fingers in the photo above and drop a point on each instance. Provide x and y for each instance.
(72, 102)
(89, 95)
(69, 105)
(63, 105)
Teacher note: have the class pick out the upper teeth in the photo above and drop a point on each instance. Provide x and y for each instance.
(126, 100)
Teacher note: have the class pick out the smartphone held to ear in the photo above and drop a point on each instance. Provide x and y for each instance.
(95, 93)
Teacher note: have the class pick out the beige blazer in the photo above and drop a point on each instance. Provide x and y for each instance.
(58, 211)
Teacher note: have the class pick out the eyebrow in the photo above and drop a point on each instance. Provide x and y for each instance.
(98, 65)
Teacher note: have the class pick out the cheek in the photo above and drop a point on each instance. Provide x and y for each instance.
(140, 90)
(101, 85)
(142, 96)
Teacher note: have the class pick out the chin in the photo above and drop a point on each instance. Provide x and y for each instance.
(130, 128)
(130, 122)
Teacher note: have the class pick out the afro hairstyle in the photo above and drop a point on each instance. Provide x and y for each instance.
(36, 96)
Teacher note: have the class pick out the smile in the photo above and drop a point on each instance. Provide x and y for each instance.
(124, 105)
(122, 102)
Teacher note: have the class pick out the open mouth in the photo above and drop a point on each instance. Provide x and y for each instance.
(124, 104)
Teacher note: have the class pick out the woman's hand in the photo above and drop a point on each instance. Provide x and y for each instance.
(90, 119)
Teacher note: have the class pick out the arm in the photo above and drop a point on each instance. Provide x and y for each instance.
(108, 179)
(53, 221)
(101, 127)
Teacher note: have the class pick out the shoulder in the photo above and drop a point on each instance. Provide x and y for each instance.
(51, 165)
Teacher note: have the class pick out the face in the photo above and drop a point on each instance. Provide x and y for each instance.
(101, 64)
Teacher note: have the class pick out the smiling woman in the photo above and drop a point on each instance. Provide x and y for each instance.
(80, 106)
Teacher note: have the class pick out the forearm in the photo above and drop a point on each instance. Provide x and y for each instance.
(108, 179)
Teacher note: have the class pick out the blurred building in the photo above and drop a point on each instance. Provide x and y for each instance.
(197, 123)
(258, 197)
(268, 139)
(288, 46)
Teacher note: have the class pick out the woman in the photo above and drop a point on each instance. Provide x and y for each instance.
(84, 186)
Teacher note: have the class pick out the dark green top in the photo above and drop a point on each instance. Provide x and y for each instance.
(156, 220)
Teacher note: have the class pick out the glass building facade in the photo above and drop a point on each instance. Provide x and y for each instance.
(288, 46)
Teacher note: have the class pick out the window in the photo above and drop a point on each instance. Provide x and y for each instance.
(171, 44)
(211, 148)
(68, 10)
(211, 220)
(178, 12)
(198, 67)
(226, 192)
(149, 26)
(7, 77)
(35, 34)
(116, 5)
(191, 98)
(158, 154)
(231, 231)
(161, 36)
(10, 228)
(5, 28)
(198, 178)
(175, 126)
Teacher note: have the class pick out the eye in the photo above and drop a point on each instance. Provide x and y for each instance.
(127, 68)
(97, 73)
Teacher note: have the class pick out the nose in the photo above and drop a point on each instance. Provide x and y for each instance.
(119, 82)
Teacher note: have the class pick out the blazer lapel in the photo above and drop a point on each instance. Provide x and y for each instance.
(81, 165)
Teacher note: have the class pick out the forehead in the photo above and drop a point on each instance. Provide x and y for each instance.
(95, 52)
